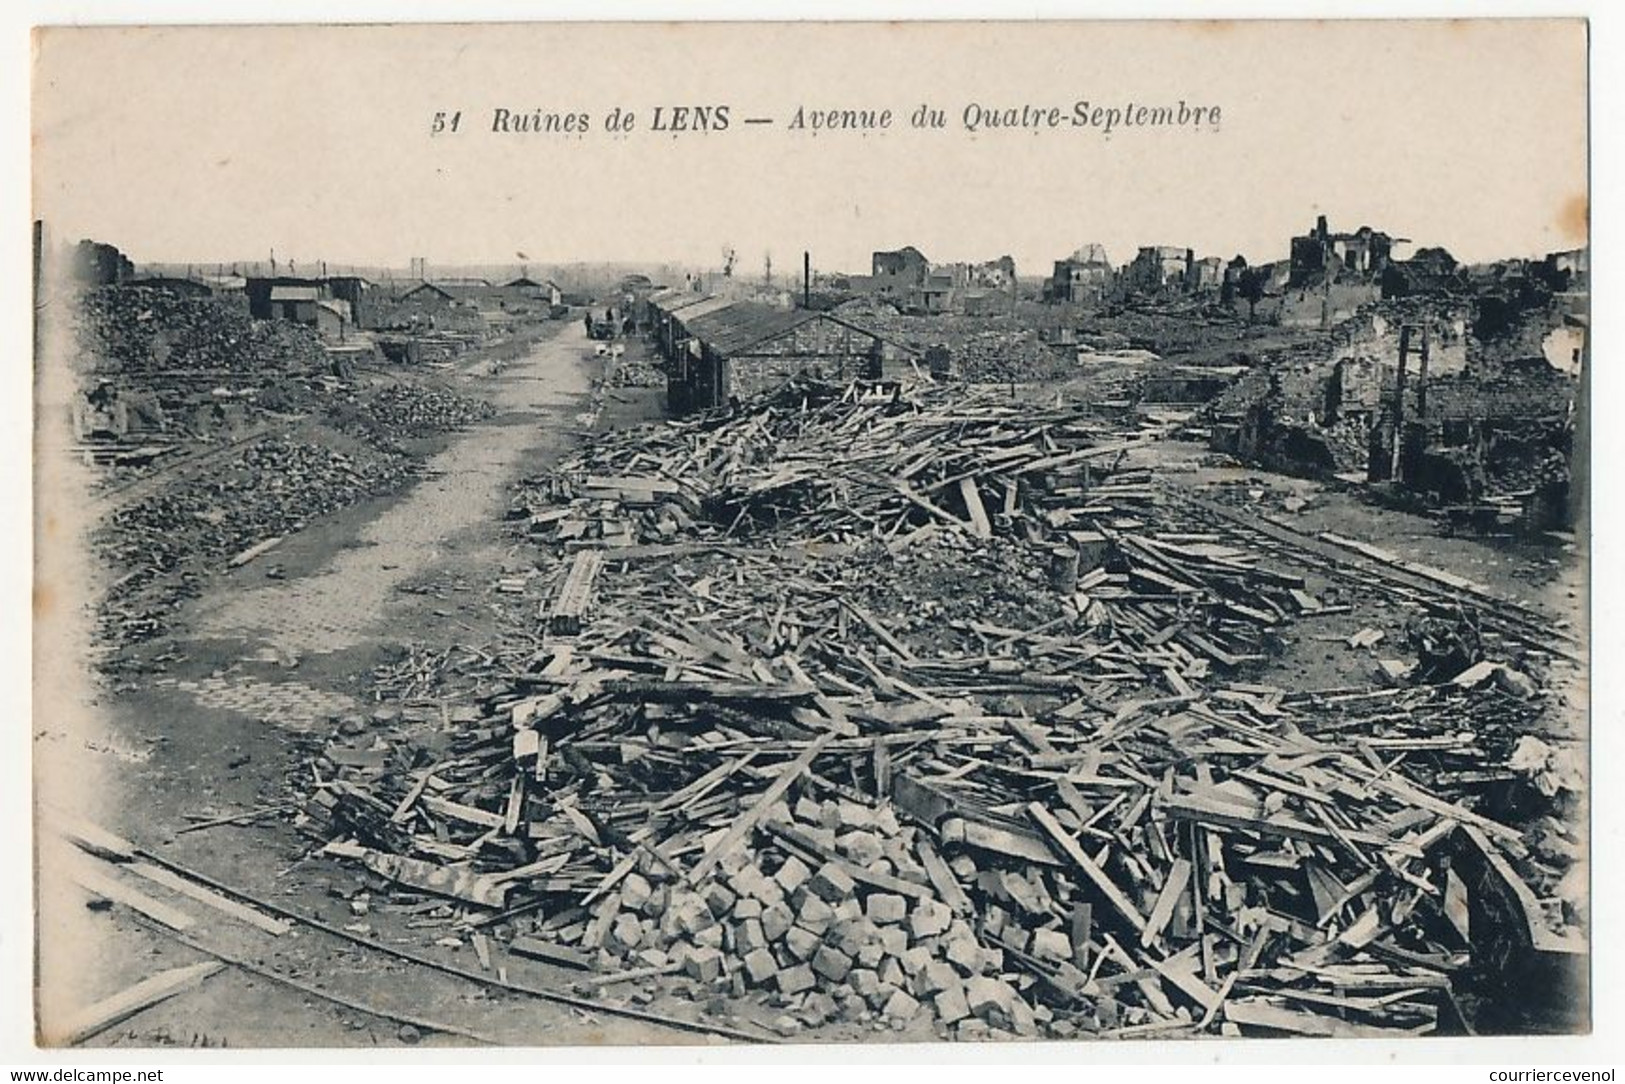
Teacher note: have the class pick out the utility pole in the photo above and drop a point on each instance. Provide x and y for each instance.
(1399, 404)
(1408, 335)
(1422, 381)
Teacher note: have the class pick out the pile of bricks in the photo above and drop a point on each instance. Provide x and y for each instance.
(821, 945)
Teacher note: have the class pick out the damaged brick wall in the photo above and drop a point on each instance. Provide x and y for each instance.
(1327, 405)
(748, 376)
(1325, 305)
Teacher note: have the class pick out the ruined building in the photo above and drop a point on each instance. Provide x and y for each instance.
(1158, 267)
(899, 272)
(1426, 394)
(1430, 271)
(1085, 277)
(1164, 269)
(93, 263)
(1365, 252)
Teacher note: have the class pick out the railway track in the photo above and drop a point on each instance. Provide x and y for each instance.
(1501, 616)
(112, 498)
(236, 930)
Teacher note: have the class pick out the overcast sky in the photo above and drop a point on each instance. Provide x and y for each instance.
(219, 144)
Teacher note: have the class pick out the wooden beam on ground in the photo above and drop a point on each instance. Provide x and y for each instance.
(96, 1018)
(569, 606)
(747, 821)
(1069, 847)
(980, 526)
(209, 898)
(98, 884)
(88, 837)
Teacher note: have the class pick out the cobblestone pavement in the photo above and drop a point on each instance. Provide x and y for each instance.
(288, 704)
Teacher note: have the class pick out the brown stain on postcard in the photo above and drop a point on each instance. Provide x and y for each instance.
(45, 599)
(1574, 219)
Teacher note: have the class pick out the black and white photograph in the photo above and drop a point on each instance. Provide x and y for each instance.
(746, 534)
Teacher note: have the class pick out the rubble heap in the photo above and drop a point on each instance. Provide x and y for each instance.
(408, 410)
(133, 330)
(765, 743)
(161, 545)
(636, 372)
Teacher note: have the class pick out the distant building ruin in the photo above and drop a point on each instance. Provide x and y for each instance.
(1085, 277)
(1319, 253)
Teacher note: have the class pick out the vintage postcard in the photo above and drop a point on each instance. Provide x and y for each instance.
(580, 534)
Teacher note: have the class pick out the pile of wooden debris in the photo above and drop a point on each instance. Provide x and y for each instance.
(928, 715)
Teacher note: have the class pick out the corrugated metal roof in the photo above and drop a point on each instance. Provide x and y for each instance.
(739, 326)
(676, 299)
(705, 306)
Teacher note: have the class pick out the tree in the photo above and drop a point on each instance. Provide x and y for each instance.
(1251, 289)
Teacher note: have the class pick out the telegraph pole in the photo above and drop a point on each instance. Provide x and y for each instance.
(1399, 404)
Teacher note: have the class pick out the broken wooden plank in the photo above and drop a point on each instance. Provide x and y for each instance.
(980, 526)
(535, 948)
(258, 549)
(1179, 875)
(880, 631)
(746, 822)
(1261, 1014)
(942, 878)
(208, 897)
(97, 1017)
(963, 831)
(445, 807)
(89, 837)
(1097, 876)
(457, 883)
(109, 888)
(569, 606)
(1183, 979)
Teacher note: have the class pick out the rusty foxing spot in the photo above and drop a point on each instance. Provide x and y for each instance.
(1574, 218)
(45, 599)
